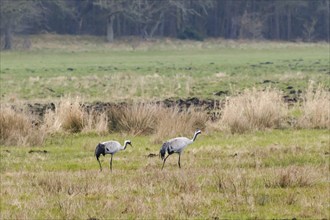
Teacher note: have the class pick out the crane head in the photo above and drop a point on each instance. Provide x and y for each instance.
(129, 142)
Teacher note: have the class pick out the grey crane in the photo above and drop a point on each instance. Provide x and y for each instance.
(109, 147)
(176, 145)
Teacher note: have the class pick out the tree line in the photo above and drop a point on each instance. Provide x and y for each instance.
(306, 20)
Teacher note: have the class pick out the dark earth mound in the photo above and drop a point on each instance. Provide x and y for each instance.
(211, 106)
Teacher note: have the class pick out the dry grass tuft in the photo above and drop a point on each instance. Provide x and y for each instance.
(70, 116)
(96, 122)
(161, 122)
(137, 118)
(254, 110)
(173, 122)
(16, 128)
(235, 186)
(315, 108)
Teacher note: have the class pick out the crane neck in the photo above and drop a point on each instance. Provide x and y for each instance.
(195, 136)
(125, 145)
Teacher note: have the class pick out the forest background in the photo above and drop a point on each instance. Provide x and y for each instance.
(290, 20)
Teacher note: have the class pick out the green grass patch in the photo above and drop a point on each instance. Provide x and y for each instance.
(158, 70)
(271, 174)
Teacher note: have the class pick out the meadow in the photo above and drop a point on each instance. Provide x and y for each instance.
(161, 69)
(276, 174)
(261, 158)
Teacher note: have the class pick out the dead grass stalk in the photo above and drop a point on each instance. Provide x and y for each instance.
(17, 128)
(173, 122)
(315, 108)
(254, 110)
(292, 176)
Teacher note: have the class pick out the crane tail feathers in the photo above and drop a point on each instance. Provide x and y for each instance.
(100, 149)
(163, 150)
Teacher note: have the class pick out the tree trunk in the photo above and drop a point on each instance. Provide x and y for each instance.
(289, 24)
(118, 27)
(277, 23)
(326, 16)
(226, 19)
(178, 21)
(80, 25)
(110, 34)
(162, 27)
(8, 38)
(155, 27)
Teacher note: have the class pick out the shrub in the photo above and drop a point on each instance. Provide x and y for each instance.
(254, 110)
(315, 108)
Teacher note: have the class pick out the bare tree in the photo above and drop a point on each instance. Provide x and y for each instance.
(14, 17)
(309, 29)
(112, 9)
(150, 14)
(251, 26)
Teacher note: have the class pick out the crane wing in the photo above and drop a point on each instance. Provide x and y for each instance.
(178, 144)
(111, 146)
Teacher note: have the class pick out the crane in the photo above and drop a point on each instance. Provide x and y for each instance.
(109, 147)
(176, 145)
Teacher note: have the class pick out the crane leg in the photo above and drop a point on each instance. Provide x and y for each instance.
(179, 161)
(111, 163)
(99, 164)
(165, 160)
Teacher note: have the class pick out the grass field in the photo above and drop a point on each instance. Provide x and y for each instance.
(280, 171)
(265, 175)
(157, 70)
